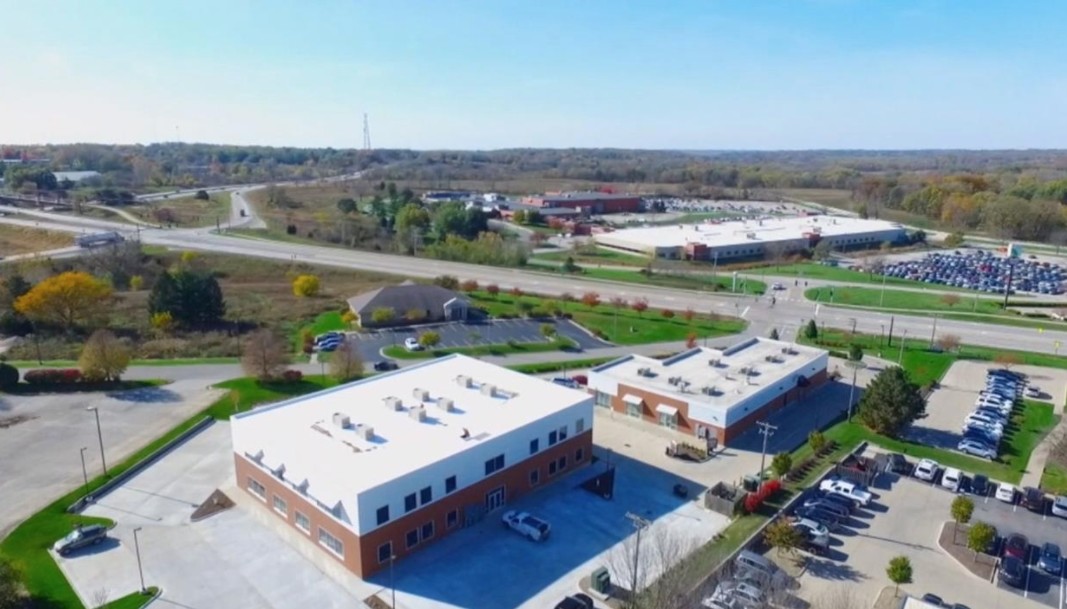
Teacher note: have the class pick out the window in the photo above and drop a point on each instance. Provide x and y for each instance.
(633, 410)
(535, 477)
(412, 538)
(409, 502)
(552, 435)
(563, 463)
(331, 542)
(535, 445)
(551, 468)
(257, 489)
(450, 484)
(280, 506)
(303, 522)
(579, 427)
(385, 552)
(426, 495)
(603, 399)
(383, 514)
(563, 433)
(451, 519)
(494, 465)
(427, 531)
(579, 455)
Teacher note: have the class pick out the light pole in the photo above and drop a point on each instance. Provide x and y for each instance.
(99, 436)
(903, 339)
(881, 299)
(933, 331)
(137, 549)
(856, 366)
(640, 524)
(85, 474)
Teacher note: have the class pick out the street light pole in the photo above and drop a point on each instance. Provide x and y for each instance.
(903, 339)
(881, 299)
(640, 524)
(99, 436)
(137, 549)
(933, 331)
(85, 474)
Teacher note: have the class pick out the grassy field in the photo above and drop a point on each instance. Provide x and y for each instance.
(814, 270)
(622, 327)
(691, 281)
(24, 240)
(905, 300)
(1054, 479)
(560, 344)
(597, 255)
(134, 600)
(186, 212)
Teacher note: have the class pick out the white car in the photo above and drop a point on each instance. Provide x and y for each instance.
(982, 419)
(817, 530)
(412, 344)
(951, 479)
(733, 593)
(1033, 392)
(529, 526)
(1059, 506)
(1006, 493)
(927, 470)
(846, 489)
(976, 449)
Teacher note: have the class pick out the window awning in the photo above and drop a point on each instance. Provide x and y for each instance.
(630, 398)
(667, 410)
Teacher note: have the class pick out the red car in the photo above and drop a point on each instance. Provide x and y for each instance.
(1018, 546)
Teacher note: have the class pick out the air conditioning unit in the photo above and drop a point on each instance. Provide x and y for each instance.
(418, 413)
(710, 390)
(393, 403)
(445, 404)
(489, 390)
(341, 420)
(744, 370)
(713, 362)
(420, 394)
(365, 432)
(463, 381)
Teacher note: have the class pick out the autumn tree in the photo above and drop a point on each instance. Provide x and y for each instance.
(448, 282)
(414, 315)
(781, 464)
(104, 358)
(948, 342)
(817, 441)
(950, 299)
(688, 314)
(305, 286)
(346, 362)
(617, 302)
(516, 292)
(1007, 360)
(67, 300)
(639, 305)
(429, 339)
(591, 299)
(492, 289)
(264, 355)
(469, 285)
(980, 538)
(667, 314)
(782, 536)
(962, 509)
(383, 316)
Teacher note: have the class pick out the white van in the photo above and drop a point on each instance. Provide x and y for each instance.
(951, 479)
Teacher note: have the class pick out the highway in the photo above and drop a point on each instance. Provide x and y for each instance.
(786, 315)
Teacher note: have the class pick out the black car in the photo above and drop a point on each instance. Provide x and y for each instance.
(831, 507)
(980, 485)
(576, 601)
(896, 463)
(1012, 571)
(933, 599)
(812, 544)
(828, 519)
(385, 365)
(844, 502)
(79, 538)
(1033, 500)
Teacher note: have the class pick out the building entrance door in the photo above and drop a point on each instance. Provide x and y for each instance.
(494, 499)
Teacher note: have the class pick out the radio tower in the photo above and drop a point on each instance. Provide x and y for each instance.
(366, 133)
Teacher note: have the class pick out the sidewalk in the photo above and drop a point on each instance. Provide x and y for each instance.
(1035, 467)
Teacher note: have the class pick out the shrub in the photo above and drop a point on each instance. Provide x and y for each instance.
(53, 376)
(9, 376)
(306, 285)
(292, 376)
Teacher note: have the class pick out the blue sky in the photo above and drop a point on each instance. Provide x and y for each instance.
(680, 74)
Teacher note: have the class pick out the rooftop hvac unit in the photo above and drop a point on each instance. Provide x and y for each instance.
(744, 369)
(709, 390)
(341, 420)
(418, 413)
(489, 390)
(463, 381)
(445, 404)
(420, 394)
(365, 432)
(683, 385)
(393, 403)
(674, 380)
(713, 362)
(644, 372)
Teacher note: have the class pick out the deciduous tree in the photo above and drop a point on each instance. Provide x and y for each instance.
(346, 205)
(67, 300)
(782, 536)
(781, 464)
(383, 316)
(548, 331)
(10, 587)
(980, 538)
(193, 299)
(346, 362)
(950, 299)
(948, 342)
(891, 403)
(264, 355)
(415, 315)
(817, 441)
(667, 313)
(899, 571)
(1007, 360)
(591, 299)
(493, 290)
(104, 358)
(962, 508)
(855, 352)
(429, 339)
(639, 305)
(306, 286)
(469, 285)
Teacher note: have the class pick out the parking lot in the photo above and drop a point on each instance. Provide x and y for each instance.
(474, 333)
(40, 437)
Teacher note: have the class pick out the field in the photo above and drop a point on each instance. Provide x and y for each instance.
(186, 212)
(598, 255)
(907, 300)
(24, 240)
(686, 281)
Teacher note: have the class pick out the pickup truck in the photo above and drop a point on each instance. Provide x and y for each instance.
(846, 489)
(526, 525)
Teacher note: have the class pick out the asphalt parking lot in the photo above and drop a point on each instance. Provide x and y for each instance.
(40, 437)
(473, 333)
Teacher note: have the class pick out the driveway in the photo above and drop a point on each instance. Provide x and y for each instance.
(40, 437)
(473, 333)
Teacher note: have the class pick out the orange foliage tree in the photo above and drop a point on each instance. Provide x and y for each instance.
(67, 300)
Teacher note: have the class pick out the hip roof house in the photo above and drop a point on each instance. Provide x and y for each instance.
(408, 303)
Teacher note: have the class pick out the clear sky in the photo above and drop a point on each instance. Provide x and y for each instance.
(679, 74)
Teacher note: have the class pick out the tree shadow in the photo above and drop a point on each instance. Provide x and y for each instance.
(146, 395)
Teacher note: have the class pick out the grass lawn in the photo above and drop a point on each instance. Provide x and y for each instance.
(899, 299)
(597, 255)
(814, 270)
(1054, 479)
(179, 361)
(622, 327)
(688, 281)
(249, 392)
(25, 240)
(328, 321)
(134, 600)
(185, 212)
(398, 352)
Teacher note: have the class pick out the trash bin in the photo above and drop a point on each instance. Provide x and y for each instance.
(600, 581)
(750, 484)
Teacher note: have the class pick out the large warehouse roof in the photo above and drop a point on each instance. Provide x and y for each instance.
(741, 232)
(354, 437)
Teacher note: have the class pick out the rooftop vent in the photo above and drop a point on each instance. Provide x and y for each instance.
(463, 381)
(341, 420)
(393, 403)
(744, 369)
(710, 390)
(714, 362)
(421, 394)
(674, 380)
(418, 413)
(366, 432)
(488, 389)
(646, 372)
(445, 404)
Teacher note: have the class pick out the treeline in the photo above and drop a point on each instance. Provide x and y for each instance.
(1004, 205)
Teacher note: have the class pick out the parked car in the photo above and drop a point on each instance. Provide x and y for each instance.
(81, 537)
(951, 479)
(812, 527)
(933, 599)
(896, 463)
(576, 601)
(977, 449)
(1059, 506)
(823, 504)
(1012, 572)
(325, 336)
(823, 517)
(527, 525)
(746, 593)
(385, 365)
(814, 544)
(412, 344)
(1017, 545)
(847, 489)
(980, 485)
(1051, 561)
(1033, 500)
(1032, 392)
(848, 503)
(1006, 493)
(566, 382)
(927, 470)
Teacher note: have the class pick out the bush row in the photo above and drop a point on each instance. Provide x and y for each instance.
(52, 376)
(753, 501)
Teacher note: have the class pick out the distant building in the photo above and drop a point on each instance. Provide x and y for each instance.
(710, 393)
(75, 176)
(436, 304)
(381, 467)
(588, 203)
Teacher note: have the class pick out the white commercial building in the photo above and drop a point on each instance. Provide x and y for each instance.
(710, 393)
(378, 467)
(751, 238)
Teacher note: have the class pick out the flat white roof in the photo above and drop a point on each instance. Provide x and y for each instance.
(686, 375)
(340, 462)
(741, 232)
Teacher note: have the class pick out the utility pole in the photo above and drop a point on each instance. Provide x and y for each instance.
(903, 339)
(889, 343)
(85, 474)
(881, 299)
(640, 524)
(99, 436)
(852, 390)
(933, 331)
(1011, 269)
(766, 430)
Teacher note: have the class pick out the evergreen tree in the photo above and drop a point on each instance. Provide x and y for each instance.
(811, 331)
(891, 403)
(192, 299)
